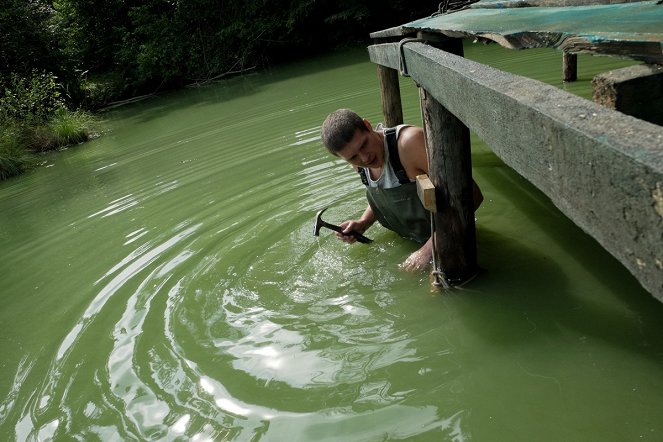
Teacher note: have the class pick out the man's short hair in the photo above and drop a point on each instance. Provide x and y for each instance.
(338, 129)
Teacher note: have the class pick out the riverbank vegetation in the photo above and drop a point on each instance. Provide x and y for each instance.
(64, 58)
(35, 118)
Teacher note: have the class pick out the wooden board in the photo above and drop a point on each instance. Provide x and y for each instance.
(426, 192)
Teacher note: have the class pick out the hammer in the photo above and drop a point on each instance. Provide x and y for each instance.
(320, 223)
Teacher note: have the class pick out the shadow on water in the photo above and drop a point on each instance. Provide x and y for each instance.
(566, 281)
(521, 279)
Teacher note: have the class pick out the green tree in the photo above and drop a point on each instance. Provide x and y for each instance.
(146, 45)
(26, 39)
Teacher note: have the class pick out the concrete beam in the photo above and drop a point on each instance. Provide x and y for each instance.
(635, 90)
(602, 168)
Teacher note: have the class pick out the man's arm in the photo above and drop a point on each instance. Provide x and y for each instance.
(420, 259)
(412, 151)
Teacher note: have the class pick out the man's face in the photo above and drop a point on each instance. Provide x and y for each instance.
(365, 149)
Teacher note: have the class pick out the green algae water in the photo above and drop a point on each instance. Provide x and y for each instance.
(162, 283)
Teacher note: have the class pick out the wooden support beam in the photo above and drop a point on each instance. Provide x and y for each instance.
(601, 168)
(635, 90)
(569, 67)
(450, 171)
(390, 91)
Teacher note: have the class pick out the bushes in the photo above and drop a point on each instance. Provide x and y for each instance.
(34, 118)
(99, 90)
(30, 99)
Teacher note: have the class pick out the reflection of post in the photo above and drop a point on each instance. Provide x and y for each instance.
(570, 68)
(390, 91)
(450, 170)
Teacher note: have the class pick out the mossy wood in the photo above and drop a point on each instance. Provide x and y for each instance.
(602, 168)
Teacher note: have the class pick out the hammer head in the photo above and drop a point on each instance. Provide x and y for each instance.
(318, 223)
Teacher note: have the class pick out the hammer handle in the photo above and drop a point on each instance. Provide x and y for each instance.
(361, 238)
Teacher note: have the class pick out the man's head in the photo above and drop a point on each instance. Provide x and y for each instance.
(339, 127)
(347, 135)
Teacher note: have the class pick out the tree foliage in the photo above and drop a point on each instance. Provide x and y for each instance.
(146, 45)
(59, 55)
(30, 99)
(26, 39)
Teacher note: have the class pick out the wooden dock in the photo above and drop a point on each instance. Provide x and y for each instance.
(600, 167)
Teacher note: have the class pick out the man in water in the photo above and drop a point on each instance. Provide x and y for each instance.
(388, 161)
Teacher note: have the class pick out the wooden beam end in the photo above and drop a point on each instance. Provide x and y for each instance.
(426, 192)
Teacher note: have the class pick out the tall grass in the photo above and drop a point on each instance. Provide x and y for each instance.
(20, 141)
(67, 127)
(14, 157)
(34, 118)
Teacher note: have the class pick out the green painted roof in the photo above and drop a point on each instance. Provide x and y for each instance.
(633, 30)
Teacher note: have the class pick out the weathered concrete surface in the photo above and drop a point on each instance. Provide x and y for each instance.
(635, 90)
(602, 168)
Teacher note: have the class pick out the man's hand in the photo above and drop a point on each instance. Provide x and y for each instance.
(420, 259)
(348, 226)
(358, 225)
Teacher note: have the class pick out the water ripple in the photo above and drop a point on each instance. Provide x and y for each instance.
(176, 292)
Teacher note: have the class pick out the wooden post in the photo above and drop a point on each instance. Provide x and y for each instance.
(450, 170)
(570, 67)
(390, 91)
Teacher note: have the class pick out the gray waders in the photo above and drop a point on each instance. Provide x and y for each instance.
(398, 208)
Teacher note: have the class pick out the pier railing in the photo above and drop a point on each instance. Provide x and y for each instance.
(602, 168)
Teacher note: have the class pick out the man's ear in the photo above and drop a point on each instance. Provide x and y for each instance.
(368, 125)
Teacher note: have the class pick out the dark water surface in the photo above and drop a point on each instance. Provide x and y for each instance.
(162, 283)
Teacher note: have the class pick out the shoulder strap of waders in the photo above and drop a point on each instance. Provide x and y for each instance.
(394, 158)
(362, 173)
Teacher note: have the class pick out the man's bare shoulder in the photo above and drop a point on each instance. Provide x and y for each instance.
(412, 150)
(411, 138)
